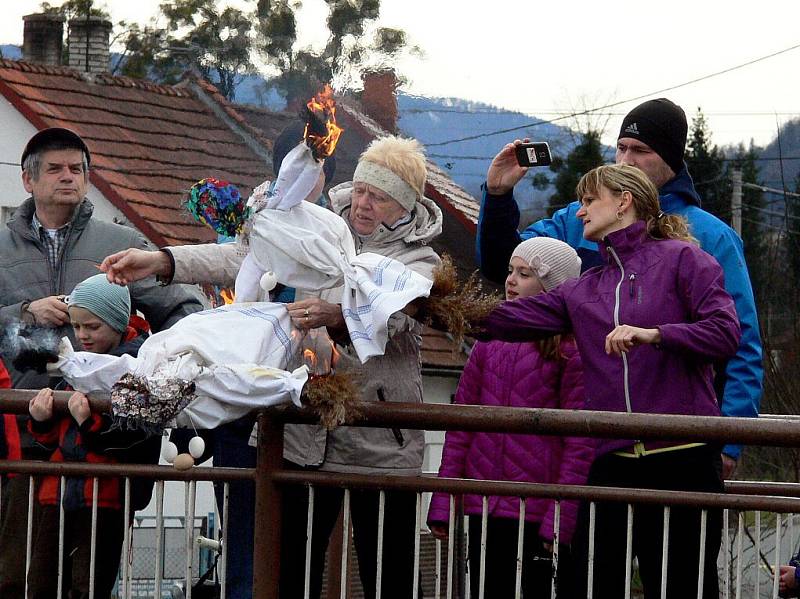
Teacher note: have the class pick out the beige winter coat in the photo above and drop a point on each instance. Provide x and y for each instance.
(394, 376)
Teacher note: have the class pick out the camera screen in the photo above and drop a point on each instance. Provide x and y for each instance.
(531, 155)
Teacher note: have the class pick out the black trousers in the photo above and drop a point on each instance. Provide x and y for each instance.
(397, 572)
(694, 469)
(501, 560)
(42, 577)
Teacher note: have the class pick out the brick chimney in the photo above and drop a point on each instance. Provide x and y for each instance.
(43, 38)
(379, 98)
(98, 30)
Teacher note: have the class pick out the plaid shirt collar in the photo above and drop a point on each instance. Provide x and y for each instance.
(53, 240)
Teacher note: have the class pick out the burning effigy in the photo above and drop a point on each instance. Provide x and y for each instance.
(214, 366)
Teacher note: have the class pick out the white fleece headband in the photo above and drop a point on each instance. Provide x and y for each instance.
(387, 181)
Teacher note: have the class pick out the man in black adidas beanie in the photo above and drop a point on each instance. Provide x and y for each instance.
(653, 137)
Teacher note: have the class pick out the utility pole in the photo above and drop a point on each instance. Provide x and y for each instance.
(736, 202)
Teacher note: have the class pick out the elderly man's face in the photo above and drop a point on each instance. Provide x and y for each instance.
(635, 153)
(61, 182)
(370, 207)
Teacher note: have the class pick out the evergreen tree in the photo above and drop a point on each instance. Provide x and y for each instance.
(793, 257)
(582, 158)
(706, 166)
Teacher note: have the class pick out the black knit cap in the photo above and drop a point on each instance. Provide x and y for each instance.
(661, 124)
(287, 140)
(56, 137)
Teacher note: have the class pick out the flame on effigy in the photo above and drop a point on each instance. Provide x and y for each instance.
(319, 353)
(322, 133)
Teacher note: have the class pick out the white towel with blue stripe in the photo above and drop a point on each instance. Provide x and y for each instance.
(310, 248)
(237, 356)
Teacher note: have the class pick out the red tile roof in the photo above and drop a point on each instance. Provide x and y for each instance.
(149, 142)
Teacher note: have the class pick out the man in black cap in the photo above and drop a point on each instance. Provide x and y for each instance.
(49, 245)
(652, 137)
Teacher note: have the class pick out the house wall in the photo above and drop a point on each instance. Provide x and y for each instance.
(436, 390)
(14, 134)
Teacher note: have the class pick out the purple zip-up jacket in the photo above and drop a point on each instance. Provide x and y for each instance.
(516, 375)
(666, 284)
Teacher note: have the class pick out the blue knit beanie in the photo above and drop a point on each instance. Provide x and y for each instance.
(109, 302)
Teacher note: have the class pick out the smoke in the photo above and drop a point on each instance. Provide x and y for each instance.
(28, 347)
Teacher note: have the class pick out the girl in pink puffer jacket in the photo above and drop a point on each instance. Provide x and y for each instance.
(541, 374)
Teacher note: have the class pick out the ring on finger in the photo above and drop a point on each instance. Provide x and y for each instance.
(305, 313)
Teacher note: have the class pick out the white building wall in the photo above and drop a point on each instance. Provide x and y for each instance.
(436, 390)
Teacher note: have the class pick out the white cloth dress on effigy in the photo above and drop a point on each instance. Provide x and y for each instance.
(237, 355)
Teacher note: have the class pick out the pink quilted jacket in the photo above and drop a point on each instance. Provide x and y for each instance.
(516, 375)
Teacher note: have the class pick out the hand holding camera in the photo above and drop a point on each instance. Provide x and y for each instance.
(512, 162)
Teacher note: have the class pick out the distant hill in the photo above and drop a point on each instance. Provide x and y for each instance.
(771, 167)
(778, 166)
(11, 52)
(435, 120)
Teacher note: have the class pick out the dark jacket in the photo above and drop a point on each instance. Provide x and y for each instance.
(666, 284)
(739, 382)
(26, 274)
(96, 442)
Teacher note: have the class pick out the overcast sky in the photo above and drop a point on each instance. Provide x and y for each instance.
(543, 58)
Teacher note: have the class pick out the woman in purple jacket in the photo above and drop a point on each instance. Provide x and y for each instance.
(649, 324)
(539, 374)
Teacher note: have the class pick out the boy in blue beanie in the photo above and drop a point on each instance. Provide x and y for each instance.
(100, 313)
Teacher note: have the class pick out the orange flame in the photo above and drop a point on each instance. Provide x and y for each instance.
(324, 103)
(227, 296)
(310, 359)
(324, 361)
(334, 356)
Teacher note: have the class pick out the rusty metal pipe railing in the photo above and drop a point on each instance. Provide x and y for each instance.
(762, 488)
(267, 548)
(15, 401)
(84, 469)
(550, 491)
(584, 423)
(768, 431)
(772, 431)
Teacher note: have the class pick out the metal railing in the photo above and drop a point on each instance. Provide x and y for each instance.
(270, 476)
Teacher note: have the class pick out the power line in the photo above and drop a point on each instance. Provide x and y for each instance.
(771, 190)
(505, 112)
(771, 212)
(771, 227)
(611, 105)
